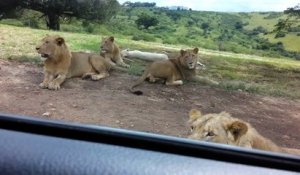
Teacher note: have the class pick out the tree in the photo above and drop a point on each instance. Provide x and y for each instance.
(139, 4)
(239, 25)
(53, 10)
(146, 21)
(293, 17)
(7, 6)
(205, 27)
(174, 15)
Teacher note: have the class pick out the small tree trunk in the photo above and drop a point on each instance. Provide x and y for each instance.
(53, 21)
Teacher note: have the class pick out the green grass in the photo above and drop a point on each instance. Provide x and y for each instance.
(250, 73)
(291, 41)
(255, 76)
(137, 67)
(258, 19)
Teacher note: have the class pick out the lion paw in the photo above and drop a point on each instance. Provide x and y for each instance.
(43, 85)
(54, 86)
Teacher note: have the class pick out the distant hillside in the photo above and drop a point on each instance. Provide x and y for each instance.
(177, 8)
(234, 32)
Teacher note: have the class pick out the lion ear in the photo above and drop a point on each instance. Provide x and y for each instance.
(237, 129)
(196, 50)
(60, 41)
(195, 114)
(182, 52)
(111, 39)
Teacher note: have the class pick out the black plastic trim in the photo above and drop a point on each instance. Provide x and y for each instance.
(152, 142)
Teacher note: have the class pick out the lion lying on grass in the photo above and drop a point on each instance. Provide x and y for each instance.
(60, 63)
(173, 71)
(150, 56)
(222, 128)
(111, 51)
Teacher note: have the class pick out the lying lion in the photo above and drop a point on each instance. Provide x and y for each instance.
(222, 128)
(173, 71)
(60, 63)
(111, 51)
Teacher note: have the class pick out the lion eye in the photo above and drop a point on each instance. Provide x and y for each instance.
(192, 128)
(47, 42)
(210, 134)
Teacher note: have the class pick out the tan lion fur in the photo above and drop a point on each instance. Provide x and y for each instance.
(223, 128)
(111, 51)
(60, 63)
(173, 71)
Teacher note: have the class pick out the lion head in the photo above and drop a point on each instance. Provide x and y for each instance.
(107, 45)
(52, 47)
(188, 58)
(219, 128)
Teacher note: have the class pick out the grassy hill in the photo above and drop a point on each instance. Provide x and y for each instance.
(267, 20)
(250, 73)
(232, 32)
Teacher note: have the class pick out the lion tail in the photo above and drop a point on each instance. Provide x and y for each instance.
(205, 80)
(115, 67)
(139, 81)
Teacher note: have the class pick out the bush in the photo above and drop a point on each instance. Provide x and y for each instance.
(33, 23)
(144, 37)
(89, 29)
(13, 22)
(258, 30)
(146, 21)
(169, 40)
(280, 34)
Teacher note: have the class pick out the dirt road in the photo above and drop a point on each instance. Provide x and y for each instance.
(161, 109)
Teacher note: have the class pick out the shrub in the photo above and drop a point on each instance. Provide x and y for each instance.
(146, 21)
(33, 23)
(144, 37)
(280, 34)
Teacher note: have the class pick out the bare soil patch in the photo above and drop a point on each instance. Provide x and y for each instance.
(161, 109)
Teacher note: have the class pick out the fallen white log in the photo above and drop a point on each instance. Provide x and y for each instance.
(148, 56)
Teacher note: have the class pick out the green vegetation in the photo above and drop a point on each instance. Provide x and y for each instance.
(249, 73)
(52, 10)
(246, 33)
(238, 48)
